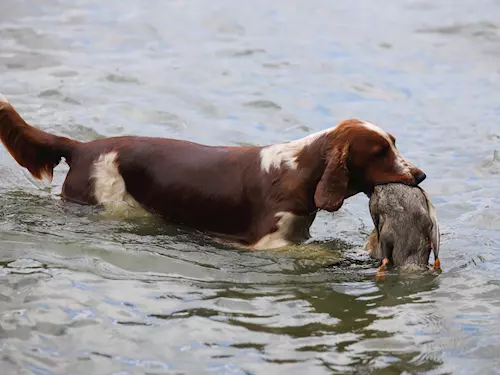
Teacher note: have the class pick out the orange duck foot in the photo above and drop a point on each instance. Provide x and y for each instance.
(380, 275)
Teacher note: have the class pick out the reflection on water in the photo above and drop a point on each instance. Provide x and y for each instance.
(86, 291)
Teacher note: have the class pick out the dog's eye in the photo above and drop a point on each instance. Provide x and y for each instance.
(382, 152)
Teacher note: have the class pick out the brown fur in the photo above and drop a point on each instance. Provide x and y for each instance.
(32, 148)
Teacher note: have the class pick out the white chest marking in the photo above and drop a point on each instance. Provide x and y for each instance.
(286, 153)
(109, 185)
(291, 229)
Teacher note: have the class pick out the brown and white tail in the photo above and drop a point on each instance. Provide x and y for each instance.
(32, 148)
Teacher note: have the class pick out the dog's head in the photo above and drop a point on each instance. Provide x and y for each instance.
(360, 155)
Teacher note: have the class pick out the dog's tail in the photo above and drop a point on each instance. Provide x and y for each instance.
(32, 148)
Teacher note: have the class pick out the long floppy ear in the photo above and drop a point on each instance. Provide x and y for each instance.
(332, 188)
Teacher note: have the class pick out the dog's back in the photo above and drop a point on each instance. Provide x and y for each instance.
(405, 225)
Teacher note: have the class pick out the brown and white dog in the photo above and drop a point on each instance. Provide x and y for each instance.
(261, 197)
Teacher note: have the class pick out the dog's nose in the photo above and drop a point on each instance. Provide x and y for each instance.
(419, 177)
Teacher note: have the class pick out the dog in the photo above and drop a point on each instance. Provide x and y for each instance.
(406, 227)
(259, 197)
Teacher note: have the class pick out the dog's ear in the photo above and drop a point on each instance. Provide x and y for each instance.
(332, 187)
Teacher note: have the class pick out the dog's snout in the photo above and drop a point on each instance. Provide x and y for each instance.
(420, 176)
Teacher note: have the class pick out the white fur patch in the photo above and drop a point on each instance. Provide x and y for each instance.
(376, 129)
(291, 229)
(109, 185)
(286, 153)
(3, 99)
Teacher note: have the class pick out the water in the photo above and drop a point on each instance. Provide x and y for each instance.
(83, 292)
